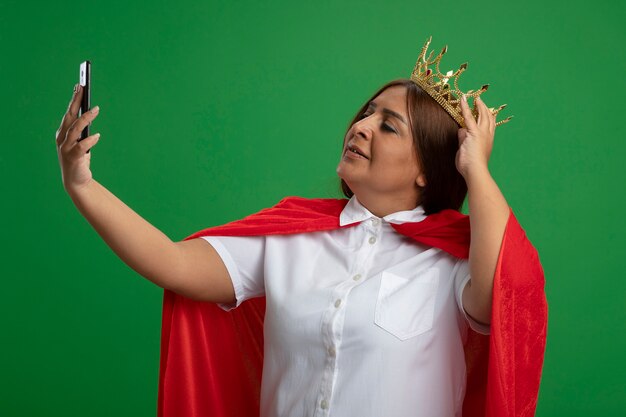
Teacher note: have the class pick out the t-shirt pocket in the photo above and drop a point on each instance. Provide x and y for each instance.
(405, 307)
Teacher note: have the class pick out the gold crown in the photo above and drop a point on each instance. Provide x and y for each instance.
(437, 86)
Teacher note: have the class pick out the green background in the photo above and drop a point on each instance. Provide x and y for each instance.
(211, 111)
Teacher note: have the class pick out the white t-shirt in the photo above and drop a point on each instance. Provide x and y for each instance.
(360, 321)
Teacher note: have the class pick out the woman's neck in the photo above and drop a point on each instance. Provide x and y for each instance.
(382, 206)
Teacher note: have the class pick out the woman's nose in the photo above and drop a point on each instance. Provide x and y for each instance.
(361, 128)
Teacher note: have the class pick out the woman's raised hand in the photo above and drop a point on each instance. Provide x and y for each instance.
(73, 156)
(476, 139)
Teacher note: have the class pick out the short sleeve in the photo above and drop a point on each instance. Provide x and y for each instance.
(244, 257)
(461, 278)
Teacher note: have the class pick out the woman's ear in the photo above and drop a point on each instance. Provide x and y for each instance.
(421, 180)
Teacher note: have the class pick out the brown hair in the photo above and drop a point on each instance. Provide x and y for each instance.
(436, 144)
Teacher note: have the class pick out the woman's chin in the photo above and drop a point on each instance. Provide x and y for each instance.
(346, 174)
(343, 171)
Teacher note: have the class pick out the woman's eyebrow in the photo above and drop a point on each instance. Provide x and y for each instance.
(388, 111)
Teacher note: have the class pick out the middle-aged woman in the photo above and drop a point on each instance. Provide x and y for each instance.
(361, 319)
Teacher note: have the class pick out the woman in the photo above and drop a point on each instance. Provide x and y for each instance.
(360, 320)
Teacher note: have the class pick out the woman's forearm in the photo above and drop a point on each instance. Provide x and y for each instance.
(489, 213)
(139, 244)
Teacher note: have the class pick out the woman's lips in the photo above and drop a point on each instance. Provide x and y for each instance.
(353, 155)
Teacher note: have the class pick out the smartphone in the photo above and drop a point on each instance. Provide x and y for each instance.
(85, 105)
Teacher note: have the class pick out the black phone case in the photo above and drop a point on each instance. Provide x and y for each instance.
(85, 105)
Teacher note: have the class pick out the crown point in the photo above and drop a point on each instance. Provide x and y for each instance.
(485, 87)
(444, 50)
(463, 66)
(503, 121)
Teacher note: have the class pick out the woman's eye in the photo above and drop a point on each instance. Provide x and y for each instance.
(388, 128)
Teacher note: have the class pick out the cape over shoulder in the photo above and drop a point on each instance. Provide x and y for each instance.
(448, 229)
(290, 215)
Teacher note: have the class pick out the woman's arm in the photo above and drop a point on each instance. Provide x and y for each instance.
(489, 213)
(488, 210)
(139, 244)
(191, 268)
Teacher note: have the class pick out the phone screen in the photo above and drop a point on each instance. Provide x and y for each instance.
(85, 82)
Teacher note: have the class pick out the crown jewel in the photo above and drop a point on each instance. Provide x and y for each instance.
(436, 85)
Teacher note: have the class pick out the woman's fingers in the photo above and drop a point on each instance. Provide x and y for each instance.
(482, 117)
(74, 156)
(470, 122)
(85, 145)
(486, 119)
(462, 134)
(75, 102)
(70, 115)
(74, 131)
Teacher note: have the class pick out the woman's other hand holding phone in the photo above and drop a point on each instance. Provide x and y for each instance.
(72, 152)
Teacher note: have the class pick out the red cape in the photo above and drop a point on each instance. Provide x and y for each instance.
(212, 360)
